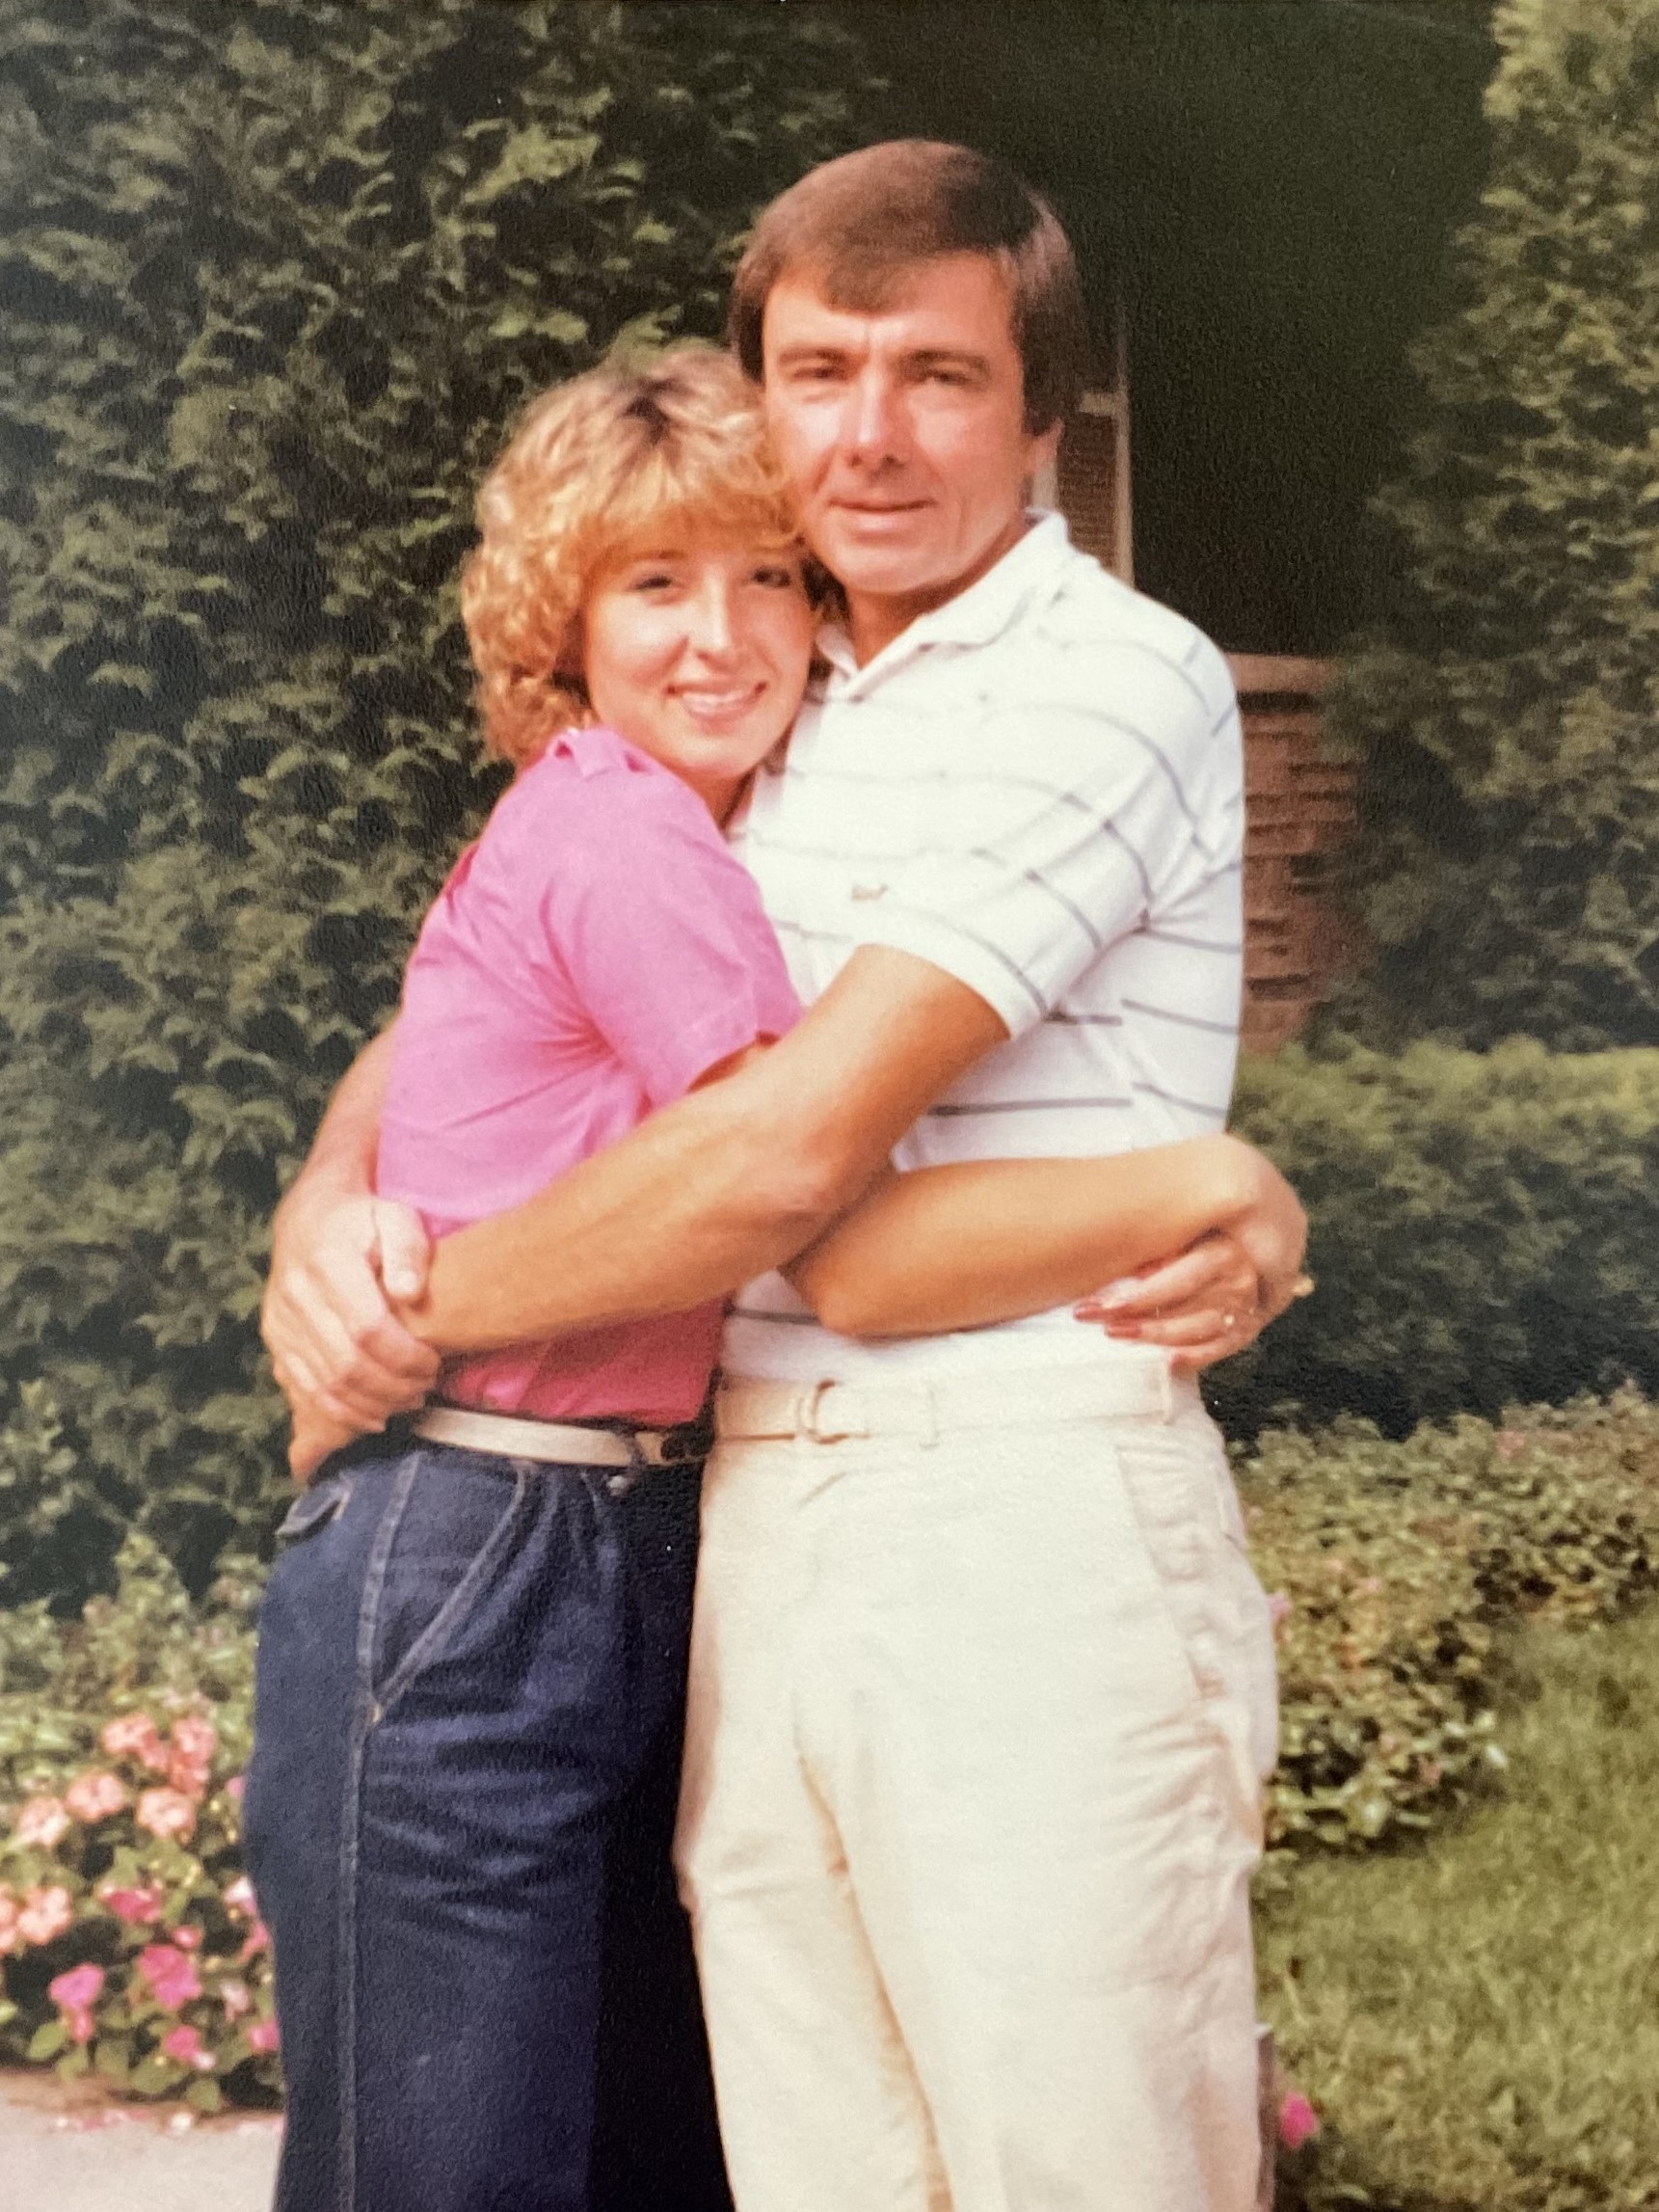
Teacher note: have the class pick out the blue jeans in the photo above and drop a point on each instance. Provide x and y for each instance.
(471, 1684)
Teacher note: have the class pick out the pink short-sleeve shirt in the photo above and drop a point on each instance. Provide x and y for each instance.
(594, 954)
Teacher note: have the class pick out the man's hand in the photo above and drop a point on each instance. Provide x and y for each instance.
(343, 1361)
(313, 1438)
(1217, 1297)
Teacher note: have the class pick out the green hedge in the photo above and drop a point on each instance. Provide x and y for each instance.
(278, 275)
(1481, 1230)
(1397, 1570)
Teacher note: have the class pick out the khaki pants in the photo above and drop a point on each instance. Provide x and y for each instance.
(971, 1799)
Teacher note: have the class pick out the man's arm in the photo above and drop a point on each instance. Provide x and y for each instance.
(987, 1240)
(725, 1184)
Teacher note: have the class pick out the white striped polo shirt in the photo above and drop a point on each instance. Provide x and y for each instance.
(1038, 787)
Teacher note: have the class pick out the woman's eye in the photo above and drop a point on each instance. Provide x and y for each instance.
(654, 579)
(777, 578)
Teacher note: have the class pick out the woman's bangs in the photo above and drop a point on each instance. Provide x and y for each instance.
(671, 500)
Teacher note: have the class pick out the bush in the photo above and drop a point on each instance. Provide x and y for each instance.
(1482, 1226)
(279, 274)
(1396, 1568)
(130, 1942)
(129, 1937)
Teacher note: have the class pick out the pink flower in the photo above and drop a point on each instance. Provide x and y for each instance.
(1297, 2121)
(74, 1994)
(10, 1938)
(262, 2035)
(95, 1796)
(46, 1914)
(191, 1760)
(187, 1938)
(239, 1898)
(133, 1907)
(135, 1735)
(167, 1812)
(170, 1974)
(259, 1940)
(234, 1996)
(234, 1787)
(183, 2045)
(42, 1822)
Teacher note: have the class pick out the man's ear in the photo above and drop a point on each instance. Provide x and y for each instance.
(1043, 451)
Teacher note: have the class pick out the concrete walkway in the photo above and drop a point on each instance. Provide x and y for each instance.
(64, 2151)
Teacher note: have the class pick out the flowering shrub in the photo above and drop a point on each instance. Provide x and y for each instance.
(130, 1942)
(1396, 1569)
(129, 1937)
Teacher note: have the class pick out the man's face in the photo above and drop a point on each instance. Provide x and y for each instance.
(903, 431)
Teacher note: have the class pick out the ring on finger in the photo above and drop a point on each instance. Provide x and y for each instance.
(1229, 1320)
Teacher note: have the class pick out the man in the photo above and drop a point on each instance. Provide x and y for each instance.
(981, 1683)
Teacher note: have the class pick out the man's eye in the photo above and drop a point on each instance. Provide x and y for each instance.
(777, 578)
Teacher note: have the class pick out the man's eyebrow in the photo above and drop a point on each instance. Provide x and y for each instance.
(947, 357)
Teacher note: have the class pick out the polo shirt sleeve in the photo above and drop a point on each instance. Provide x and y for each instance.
(660, 932)
(1062, 823)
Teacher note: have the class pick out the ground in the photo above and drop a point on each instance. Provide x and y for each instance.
(66, 2152)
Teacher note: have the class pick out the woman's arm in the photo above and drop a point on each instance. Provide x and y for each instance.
(989, 1240)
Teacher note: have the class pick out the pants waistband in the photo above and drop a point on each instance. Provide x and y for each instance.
(559, 1443)
(826, 1412)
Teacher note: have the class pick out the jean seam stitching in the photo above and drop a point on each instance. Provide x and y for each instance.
(459, 1602)
(351, 1826)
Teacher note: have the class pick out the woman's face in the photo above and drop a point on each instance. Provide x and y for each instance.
(697, 652)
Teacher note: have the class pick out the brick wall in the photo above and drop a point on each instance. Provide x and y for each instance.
(1298, 811)
(1298, 807)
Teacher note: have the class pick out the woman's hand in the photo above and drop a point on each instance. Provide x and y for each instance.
(313, 1438)
(1217, 1296)
(1203, 1306)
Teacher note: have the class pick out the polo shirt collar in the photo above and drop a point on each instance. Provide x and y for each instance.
(974, 618)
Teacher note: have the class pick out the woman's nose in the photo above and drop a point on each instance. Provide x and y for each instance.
(712, 628)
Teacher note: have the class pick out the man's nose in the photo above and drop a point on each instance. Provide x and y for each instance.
(872, 426)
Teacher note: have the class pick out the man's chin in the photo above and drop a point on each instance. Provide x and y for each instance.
(888, 571)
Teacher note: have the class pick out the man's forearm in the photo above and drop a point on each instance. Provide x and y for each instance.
(690, 1204)
(983, 1241)
(724, 1184)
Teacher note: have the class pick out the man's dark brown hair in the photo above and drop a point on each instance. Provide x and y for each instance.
(859, 225)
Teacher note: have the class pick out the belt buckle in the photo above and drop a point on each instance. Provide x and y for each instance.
(685, 1443)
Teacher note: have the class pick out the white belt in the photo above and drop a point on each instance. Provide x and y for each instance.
(560, 1444)
(1023, 1398)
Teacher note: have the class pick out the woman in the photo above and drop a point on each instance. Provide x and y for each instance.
(474, 1643)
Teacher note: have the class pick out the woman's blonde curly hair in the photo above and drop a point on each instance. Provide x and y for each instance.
(619, 460)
